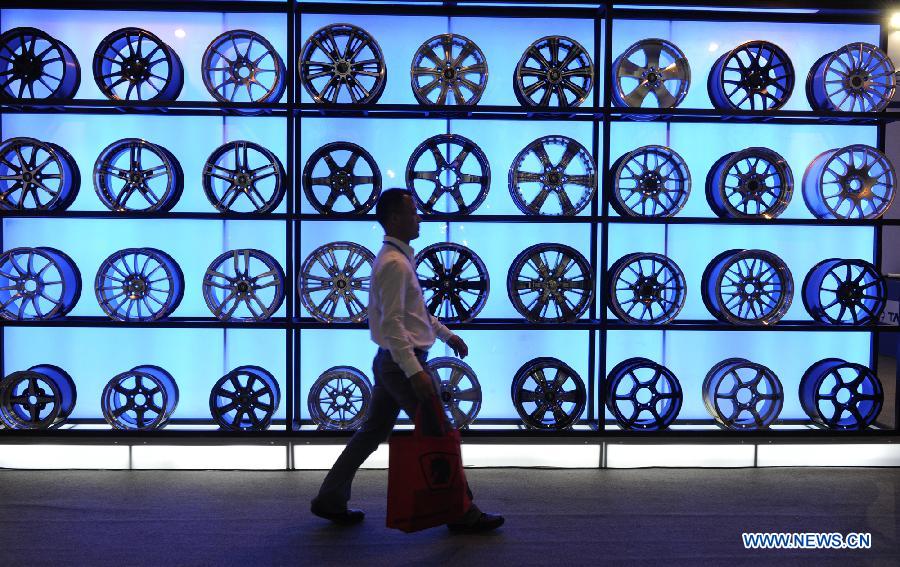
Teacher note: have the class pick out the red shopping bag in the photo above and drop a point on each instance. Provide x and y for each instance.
(426, 482)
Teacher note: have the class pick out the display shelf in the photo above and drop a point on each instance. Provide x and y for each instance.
(711, 115)
(171, 322)
(149, 107)
(601, 115)
(252, 6)
(451, 112)
(612, 324)
(462, 8)
(135, 215)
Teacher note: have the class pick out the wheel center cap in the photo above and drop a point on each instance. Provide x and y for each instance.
(449, 73)
(135, 287)
(650, 182)
(342, 67)
(652, 76)
(856, 81)
(554, 178)
(554, 75)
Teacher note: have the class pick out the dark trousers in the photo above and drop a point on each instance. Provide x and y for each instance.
(392, 392)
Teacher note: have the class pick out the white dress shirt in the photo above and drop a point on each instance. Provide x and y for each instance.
(398, 319)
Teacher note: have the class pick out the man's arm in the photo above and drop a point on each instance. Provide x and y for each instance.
(459, 346)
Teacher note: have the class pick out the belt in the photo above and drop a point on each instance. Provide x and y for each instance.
(416, 351)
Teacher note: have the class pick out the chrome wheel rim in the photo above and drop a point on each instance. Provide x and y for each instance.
(135, 170)
(342, 63)
(242, 66)
(548, 403)
(748, 287)
(466, 181)
(853, 182)
(139, 284)
(37, 284)
(36, 64)
(448, 69)
(243, 177)
(554, 71)
(243, 285)
(643, 395)
(552, 165)
(742, 395)
(141, 399)
(460, 391)
(651, 66)
(857, 77)
(134, 63)
(651, 181)
(756, 75)
(334, 282)
(751, 183)
(35, 175)
(245, 399)
(339, 399)
(347, 174)
(646, 289)
(844, 292)
(550, 283)
(454, 281)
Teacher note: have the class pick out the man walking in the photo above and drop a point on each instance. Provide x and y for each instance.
(404, 331)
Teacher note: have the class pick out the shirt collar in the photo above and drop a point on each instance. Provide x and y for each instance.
(406, 248)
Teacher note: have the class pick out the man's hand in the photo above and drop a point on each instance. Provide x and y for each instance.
(459, 346)
(423, 385)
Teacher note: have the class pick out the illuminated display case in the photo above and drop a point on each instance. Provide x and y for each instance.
(197, 349)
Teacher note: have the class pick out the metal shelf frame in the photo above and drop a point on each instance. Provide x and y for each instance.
(602, 114)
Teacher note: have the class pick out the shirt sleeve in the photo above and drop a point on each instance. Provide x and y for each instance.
(440, 329)
(392, 289)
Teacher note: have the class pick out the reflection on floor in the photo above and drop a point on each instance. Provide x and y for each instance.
(579, 517)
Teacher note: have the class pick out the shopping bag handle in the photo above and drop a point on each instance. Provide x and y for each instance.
(438, 409)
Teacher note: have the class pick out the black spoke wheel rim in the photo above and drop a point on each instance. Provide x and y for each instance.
(751, 183)
(651, 181)
(646, 289)
(134, 64)
(341, 178)
(841, 395)
(448, 69)
(460, 391)
(844, 292)
(244, 285)
(643, 395)
(550, 283)
(37, 284)
(756, 75)
(242, 66)
(245, 399)
(440, 167)
(139, 284)
(747, 287)
(140, 399)
(334, 282)
(37, 175)
(548, 394)
(557, 166)
(853, 182)
(651, 67)
(554, 71)
(41, 397)
(135, 175)
(858, 77)
(243, 177)
(742, 395)
(34, 65)
(339, 399)
(342, 63)
(454, 281)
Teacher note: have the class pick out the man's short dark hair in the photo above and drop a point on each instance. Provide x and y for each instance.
(389, 203)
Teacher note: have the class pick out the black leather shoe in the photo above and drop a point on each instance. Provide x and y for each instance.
(343, 518)
(484, 523)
